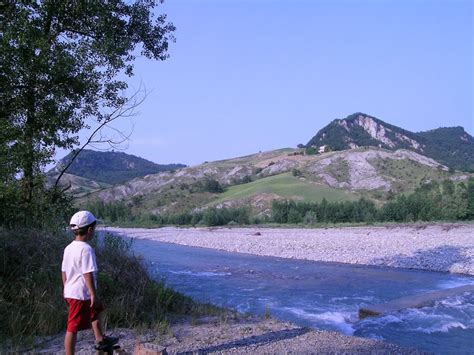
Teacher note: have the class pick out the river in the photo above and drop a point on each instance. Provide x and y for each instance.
(320, 295)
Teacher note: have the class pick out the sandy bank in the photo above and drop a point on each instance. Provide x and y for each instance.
(440, 247)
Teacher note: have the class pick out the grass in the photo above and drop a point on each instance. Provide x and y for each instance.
(31, 302)
(287, 186)
(408, 174)
(252, 158)
(339, 169)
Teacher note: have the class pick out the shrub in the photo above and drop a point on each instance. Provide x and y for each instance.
(31, 301)
(211, 185)
(310, 218)
(296, 172)
(311, 151)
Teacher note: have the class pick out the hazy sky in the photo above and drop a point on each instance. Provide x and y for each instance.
(256, 75)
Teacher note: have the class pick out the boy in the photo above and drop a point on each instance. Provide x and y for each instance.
(79, 274)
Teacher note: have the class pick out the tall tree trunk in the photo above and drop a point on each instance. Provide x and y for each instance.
(28, 161)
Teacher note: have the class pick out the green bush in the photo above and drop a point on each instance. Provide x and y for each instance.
(47, 209)
(310, 218)
(31, 301)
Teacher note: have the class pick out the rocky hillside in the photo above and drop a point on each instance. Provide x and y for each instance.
(110, 167)
(76, 185)
(258, 179)
(452, 147)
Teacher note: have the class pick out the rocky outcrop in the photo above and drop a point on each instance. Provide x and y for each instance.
(375, 130)
(363, 174)
(451, 146)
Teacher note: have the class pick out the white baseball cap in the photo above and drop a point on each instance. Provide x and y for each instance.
(81, 219)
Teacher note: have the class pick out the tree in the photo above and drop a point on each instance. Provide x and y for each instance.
(470, 199)
(212, 185)
(61, 61)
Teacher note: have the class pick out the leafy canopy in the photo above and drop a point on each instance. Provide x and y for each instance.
(63, 65)
(61, 61)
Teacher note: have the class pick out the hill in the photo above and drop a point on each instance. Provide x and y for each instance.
(110, 167)
(451, 146)
(257, 180)
(76, 185)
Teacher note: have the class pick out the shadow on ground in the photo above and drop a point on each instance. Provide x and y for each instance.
(253, 340)
(444, 258)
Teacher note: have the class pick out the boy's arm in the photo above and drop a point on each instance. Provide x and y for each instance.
(63, 275)
(89, 278)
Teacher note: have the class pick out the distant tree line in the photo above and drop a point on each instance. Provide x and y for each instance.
(430, 202)
(323, 212)
(120, 211)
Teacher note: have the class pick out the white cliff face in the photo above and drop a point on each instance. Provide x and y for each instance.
(379, 132)
(342, 123)
(375, 130)
(414, 144)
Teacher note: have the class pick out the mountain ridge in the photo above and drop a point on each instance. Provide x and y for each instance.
(451, 146)
(110, 167)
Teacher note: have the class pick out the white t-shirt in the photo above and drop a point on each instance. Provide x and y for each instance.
(78, 259)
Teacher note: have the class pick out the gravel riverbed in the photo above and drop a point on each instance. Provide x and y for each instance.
(437, 247)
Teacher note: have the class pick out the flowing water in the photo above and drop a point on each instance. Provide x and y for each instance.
(320, 295)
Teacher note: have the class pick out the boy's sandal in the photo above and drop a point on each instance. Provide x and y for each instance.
(107, 342)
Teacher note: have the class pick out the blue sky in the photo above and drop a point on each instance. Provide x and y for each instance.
(248, 76)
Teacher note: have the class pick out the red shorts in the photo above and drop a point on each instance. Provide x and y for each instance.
(81, 314)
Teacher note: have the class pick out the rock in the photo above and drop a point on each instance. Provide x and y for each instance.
(149, 349)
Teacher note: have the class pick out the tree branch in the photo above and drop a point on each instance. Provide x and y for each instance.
(124, 110)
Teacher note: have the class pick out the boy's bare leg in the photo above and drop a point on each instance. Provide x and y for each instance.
(70, 342)
(97, 329)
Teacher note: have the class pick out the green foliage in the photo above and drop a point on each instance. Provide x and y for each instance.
(222, 216)
(211, 185)
(120, 212)
(451, 146)
(112, 167)
(31, 300)
(60, 64)
(470, 199)
(111, 212)
(323, 212)
(239, 181)
(430, 202)
(311, 151)
(310, 218)
(208, 185)
(296, 172)
(49, 209)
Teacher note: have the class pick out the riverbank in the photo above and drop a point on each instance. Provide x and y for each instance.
(434, 247)
(237, 335)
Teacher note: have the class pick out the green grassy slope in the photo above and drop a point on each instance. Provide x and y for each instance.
(287, 186)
